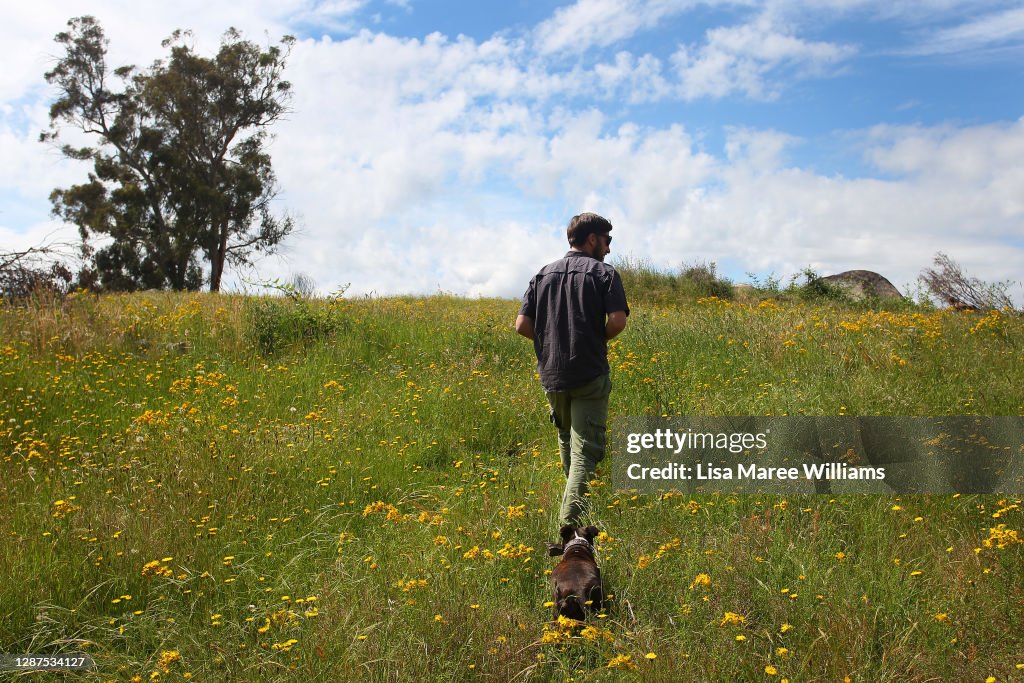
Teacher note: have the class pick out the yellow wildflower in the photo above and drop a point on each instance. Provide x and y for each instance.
(622, 662)
(168, 657)
(701, 581)
(733, 618)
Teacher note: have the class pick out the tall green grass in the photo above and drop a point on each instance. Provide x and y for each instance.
(657, 286)
(369, 501)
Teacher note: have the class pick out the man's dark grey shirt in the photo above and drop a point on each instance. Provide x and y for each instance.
(568, 301)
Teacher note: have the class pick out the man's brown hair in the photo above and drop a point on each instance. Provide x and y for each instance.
(585, 224)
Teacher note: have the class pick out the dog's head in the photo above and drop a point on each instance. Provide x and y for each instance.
(568, 533)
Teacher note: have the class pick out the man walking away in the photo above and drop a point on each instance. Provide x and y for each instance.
(570, 310)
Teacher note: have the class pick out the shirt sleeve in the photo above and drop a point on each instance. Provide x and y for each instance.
(615, 298)
(529, 306)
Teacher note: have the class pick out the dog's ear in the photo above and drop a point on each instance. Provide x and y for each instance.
(566, 533)
(590, 533)
(554, 549)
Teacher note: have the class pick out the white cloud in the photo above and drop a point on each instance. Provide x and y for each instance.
(752, 59)
(940, 197)
(757, 151)
(430, 164)
(134, 29)
(743, 59)
(32, 168)
(60, 239)
(672, 203)
(984, 158)
(995, 29)
(641, 79)
(590, 23)
(328, 15)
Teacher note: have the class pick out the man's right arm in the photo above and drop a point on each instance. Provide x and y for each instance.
(616, 323)
(524, 326)
(528, 311)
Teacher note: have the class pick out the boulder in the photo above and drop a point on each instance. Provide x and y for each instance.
(863, 284)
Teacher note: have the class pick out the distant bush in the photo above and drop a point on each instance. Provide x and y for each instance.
(33, 272)
(273, 324)
(813, 288)
(809, 287)
(644, 281)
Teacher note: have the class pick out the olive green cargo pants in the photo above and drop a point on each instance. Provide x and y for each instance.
(581, 416)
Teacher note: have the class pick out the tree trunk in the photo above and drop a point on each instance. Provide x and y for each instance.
(218, 256)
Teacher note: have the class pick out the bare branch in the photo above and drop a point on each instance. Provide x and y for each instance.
(947, 282)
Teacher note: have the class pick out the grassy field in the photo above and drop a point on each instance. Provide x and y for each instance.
(239, 488)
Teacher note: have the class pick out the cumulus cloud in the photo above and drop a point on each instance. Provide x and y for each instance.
(983, 158)
(452, 164)
(30, 168)
(934, 197)
(135, 30)
(329, 16)
(938, 188)
(589, 23)
(741, 59)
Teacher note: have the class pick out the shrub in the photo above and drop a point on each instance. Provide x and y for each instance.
(703, 279)
(274, 324)
(28, 273)
(814, 288)
(643, 281)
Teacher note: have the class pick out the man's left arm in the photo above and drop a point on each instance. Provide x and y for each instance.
(618, 309)
(616, 323)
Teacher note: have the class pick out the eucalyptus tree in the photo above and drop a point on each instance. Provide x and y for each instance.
(180, 174)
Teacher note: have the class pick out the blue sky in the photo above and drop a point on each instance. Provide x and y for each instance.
(444, 145)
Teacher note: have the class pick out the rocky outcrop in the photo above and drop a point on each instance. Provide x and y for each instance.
(863, 284)
(743, 290)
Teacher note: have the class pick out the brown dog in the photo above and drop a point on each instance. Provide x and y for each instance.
(576, 580)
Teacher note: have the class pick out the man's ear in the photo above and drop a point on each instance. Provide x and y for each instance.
(566, 532)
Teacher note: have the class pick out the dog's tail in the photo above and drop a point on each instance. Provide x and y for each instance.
(572, 606)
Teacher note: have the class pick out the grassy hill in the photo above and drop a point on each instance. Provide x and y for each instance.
(244, 488)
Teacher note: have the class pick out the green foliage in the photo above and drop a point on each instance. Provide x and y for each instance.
(274, 324)
(769, 284)
(809, 287)
(644, 282)
(814, 288)
(180, 174)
